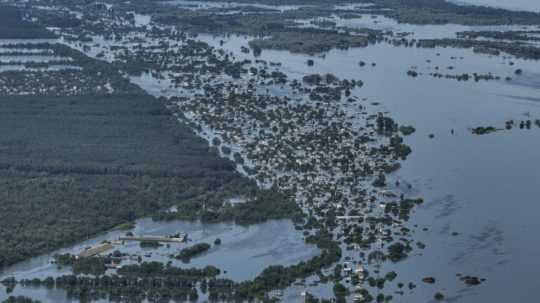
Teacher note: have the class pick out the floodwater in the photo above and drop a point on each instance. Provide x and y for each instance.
(26, 41)
(437, 31)
(53, 67)
(190, 4)
(526, 5)
(245, 251)
(484, 188)
(19, 58)
(29, 59)
(480, 192)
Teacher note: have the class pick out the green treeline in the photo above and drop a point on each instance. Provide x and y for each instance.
(261, 205)
(157, 269)
(157, 282)
(88, 266)
(71, 167)
(20, 299)
(189, 252)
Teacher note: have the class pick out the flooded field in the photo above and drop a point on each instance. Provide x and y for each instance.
(479, 190)
(243, 253)
(228, 5)
(476, 117)
(18, 55)
(465, 178)
(432, 31)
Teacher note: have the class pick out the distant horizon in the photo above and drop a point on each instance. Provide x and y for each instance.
(269, 151)
(516, 5)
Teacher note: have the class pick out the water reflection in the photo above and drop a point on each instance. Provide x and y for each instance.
(189, 4)
(480, 191)
(245, 251)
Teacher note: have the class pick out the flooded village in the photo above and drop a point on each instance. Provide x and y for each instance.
(373, 148)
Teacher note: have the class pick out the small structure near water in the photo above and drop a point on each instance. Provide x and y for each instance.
(108, 245)
(178, 238)
(96, 250)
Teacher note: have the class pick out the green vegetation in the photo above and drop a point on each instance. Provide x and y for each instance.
(445, 12)
(189, 252)
(134, 283)
(471, 280)
(501, 35)
(407, 130)
(278, 276)
(439, 296)
(88, 266)
(309, 41)
(398, 251)
(91, 78)
(340, 292)
(404, 11)
(489, 47)
(261, 205)
(157, 269)
(126, 226)
(158, 282)
(149, 244)
(20, 299)
(115, 155)
(390, 276)
(13, 26)
(403, 208)
(74, 166)
(483, 130)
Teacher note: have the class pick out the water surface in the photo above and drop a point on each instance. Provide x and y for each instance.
(244, 253)
(484, 188)
(520, 5)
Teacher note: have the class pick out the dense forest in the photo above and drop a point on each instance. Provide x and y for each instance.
(13, 26)
(74, 166)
